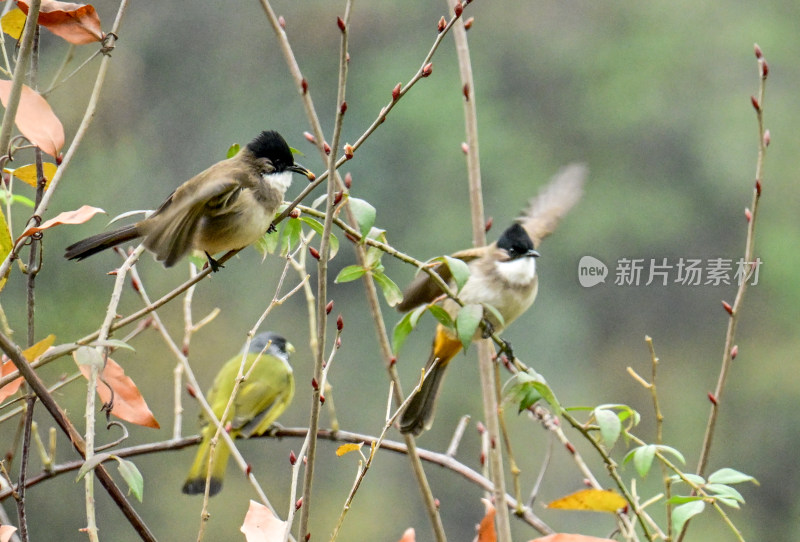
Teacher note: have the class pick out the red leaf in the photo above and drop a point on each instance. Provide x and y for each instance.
(35, 119)
(78, 216)
(261, 525)
(486, 531)
(75, 23)
(129, 405)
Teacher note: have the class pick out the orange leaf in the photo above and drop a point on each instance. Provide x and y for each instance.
(409, 535)
(261, 525)
(35, 119)
(564, 537)
(347, 448)
(594, 500)
(129, 405)
(79, 216)
(75, 23)
(486, 530)
(7, 366)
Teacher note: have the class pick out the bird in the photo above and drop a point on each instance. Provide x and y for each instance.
(228, 206)
(261, 399)
(502, 275)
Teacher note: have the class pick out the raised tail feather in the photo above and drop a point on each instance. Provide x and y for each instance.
(101, 241)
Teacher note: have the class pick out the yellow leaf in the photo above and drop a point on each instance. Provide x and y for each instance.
(27, 174)
(13, 23)
(594, 500)
(33, 352)
(347, 448)
(5, 244)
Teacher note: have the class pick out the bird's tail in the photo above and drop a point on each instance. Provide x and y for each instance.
(196, 480)
(101, 241)
(418, 415)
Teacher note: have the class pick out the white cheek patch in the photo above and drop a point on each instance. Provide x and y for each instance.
(282, 180)
(519, 272)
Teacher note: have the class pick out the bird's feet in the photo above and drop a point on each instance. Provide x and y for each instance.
(213, 264)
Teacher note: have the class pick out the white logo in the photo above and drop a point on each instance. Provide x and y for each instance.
(591, 271)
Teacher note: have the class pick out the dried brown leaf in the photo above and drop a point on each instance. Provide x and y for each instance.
(35, 119)
(78, 216)
(75, 23)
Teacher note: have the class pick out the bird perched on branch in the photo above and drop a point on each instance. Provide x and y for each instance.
(261, 398)
(502, 275)
(226, 207)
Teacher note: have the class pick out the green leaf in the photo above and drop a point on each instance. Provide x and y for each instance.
(725, 491)
(16, 198)
(132, 477)
(415, 315)
(643, 459)
(497, 319)
(364, 214)
(391, 292)
(86, 355)
(730, 476)
(682, 499)
(467, 322)
(694, 478)
(92, 463)
(268, 243)
(320, 228)
(610, 426)
(290, 236)
(113, 343)
(522, 391)
(350, 273)
(547, 394)
(459, 269)
(442, 316)
(672, 451)
(400, 333)
(681, 514)
(233, 150)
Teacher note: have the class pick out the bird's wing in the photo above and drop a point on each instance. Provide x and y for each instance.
(423, 289)
(263, 397)
(554, 201)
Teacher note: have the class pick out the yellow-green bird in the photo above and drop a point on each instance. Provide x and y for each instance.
(260, 400)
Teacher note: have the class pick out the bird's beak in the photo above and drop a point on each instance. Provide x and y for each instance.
(531, 254)
(297, 168)
(290, 346)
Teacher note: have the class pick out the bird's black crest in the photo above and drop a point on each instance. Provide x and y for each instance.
(271, 145)
(275, 341)
(515, 240)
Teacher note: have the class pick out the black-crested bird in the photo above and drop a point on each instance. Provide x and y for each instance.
(502, 274)
(228, 206)
(261, 398)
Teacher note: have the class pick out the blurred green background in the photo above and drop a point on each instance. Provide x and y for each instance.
(654, 97)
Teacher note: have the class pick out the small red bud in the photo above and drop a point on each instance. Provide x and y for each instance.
(556, 422)
(396, 91)
(338, 343)
(767, 138)
(321, 399)
(112, 273)
(754, 101)
(135, 285)
(570, 448)
(483, 459)
(348, 178)
(308, 537)
(347, 57)
(339, 322)
(314, 384)
(326, 148)
(493, 443)
(337, 197)
(228, 427)
(427, 69)
(292, 458)
(329, 307)
(437, 503)
(441, 25)
(727, 307)
(304, 85)
(298, 504)
(59, 159)
(758, 188)
(480, 427)
(282, 22)
(712, 398)
(350, 237)
(748, 215)
(465, 90)
(763, 68)
(468, 23)
(465, 148)
(190, 390)
(340, 24)
(184, 348)
(248, 469)
(734, 351)
(314, 253)
(310, 137)
(295, 213)
(393, 360)
(343, 108)
(348, 152)
(757, 50)
(488, 225)
(458, 9)
(587, 482)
